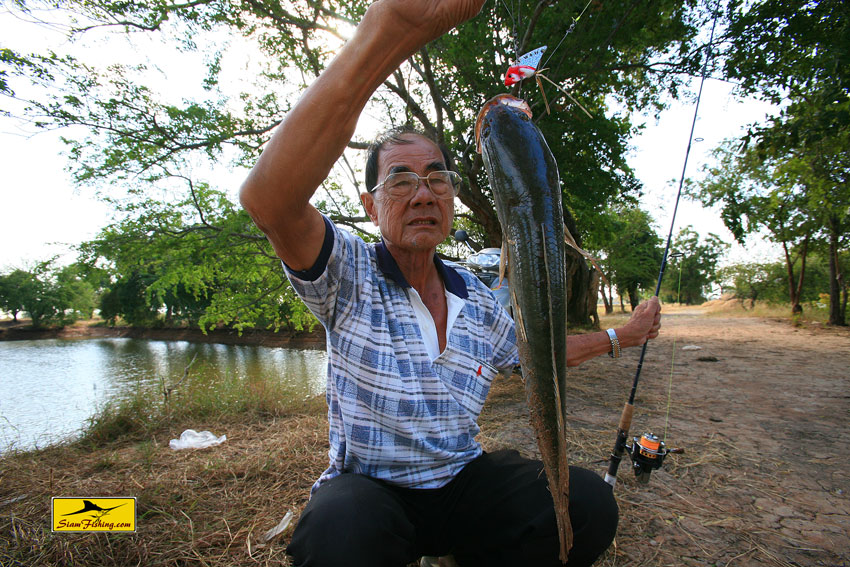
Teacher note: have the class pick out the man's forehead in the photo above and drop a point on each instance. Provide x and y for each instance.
(412, 151)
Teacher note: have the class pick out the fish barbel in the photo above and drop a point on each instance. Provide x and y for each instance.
(524, 180)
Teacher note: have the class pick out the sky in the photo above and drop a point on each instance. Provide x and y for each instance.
(44, 214)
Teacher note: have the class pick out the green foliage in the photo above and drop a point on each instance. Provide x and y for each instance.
(754, 281)
(12, 291)
(692, 267)
(49, 296)
(633, 255)
(797, 50)
(200, 262)
(127, 299)
(781, 47)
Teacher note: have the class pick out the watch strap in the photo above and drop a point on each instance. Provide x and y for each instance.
(615, 344)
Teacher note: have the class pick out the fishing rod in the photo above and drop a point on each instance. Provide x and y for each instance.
(647, 452)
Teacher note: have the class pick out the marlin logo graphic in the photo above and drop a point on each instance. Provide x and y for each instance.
(89, 506)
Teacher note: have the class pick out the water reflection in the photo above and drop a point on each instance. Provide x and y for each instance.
(49, 388)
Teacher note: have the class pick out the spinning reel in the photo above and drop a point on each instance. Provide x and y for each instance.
(647, 454)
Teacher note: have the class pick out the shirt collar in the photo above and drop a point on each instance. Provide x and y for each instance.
(451, 279)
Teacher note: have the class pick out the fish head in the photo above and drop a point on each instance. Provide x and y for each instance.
(512, 79)
(513, 75)
(502, 99)
(517, 73)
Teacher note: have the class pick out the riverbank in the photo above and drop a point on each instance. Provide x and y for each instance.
(760, 408)
(21, 330)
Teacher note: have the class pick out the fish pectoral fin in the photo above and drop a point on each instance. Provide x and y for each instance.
(519, 323)
(503, 262)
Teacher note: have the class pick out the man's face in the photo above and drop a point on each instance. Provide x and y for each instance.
(422, 221)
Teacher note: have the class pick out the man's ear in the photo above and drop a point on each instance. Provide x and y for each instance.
(368, 201)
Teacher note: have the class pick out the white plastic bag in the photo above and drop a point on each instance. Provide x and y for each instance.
(191, 439)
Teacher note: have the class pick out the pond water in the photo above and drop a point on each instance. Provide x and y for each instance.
(49, 388)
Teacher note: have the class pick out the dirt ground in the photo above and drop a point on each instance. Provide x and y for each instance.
(761, 409)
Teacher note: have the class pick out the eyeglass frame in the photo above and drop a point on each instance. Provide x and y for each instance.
(455, 177)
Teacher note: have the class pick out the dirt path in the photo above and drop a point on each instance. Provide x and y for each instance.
(762, 411)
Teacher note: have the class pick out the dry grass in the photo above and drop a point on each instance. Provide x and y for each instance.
(202, 507)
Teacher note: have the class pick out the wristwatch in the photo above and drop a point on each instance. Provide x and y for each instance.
(615, 344)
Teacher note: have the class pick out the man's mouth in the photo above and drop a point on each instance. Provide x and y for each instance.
(425, 222)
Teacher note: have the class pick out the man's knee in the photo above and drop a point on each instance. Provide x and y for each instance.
(352, 520)
(594, 515)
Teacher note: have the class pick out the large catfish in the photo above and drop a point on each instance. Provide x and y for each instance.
(524, 180)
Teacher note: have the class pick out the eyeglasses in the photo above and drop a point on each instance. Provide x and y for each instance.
(402, 185)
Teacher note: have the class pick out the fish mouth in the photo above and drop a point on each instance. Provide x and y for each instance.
(507, 100)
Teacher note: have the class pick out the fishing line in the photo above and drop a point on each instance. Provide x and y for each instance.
(673, 357)
(626, 417)
(513, 30)
(568, 32)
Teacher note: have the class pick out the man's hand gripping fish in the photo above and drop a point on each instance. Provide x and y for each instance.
(524, 179)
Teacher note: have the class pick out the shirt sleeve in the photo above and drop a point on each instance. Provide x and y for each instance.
(330, 286)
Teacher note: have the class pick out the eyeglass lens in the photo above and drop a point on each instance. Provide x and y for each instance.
(441, 183)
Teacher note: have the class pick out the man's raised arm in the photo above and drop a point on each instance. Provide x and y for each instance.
(315, 132)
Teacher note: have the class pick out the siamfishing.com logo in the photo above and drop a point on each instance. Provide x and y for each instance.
(106, 514)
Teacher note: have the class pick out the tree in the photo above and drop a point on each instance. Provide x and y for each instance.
(42, 298)
(202, 263)
(692, 266)
(619, 50)
(788, 48)
(754, 281)
(820, 161)
(799, 50)
(756, 194)
(633, 257)
(78, 294)
(11, 292)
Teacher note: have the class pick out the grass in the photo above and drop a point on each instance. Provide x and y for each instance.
(815, 312)
(200, 396)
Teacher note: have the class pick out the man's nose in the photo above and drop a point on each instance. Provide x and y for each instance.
(423, 192)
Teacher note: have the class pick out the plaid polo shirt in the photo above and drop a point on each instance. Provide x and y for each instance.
(395, 414)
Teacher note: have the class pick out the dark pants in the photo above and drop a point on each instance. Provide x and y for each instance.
(497, 511)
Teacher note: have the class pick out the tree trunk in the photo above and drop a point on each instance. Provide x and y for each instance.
(581, 302)
(593, 298)
(634, 300)
(476, 198)
(835, 311)
(795, 288)
(606, 299)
